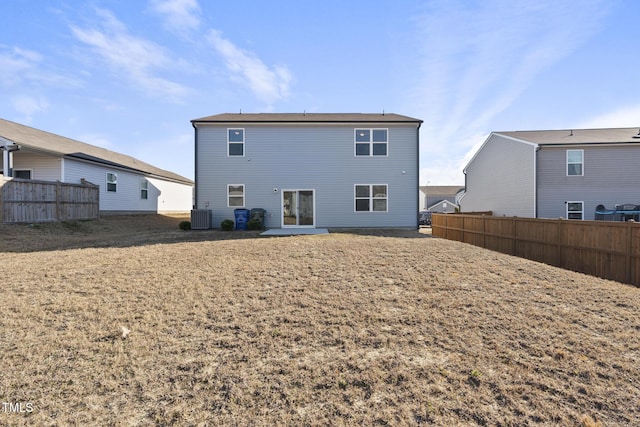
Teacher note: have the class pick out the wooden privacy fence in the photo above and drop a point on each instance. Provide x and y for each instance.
(610, 250)
(45, 201)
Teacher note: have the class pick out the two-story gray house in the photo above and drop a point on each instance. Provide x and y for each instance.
(554, 173)
(309, 170)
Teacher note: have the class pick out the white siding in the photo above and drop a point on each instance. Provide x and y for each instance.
(171, 196)
(43, 167)
(501, 178)
(162, 196)
(309, 156)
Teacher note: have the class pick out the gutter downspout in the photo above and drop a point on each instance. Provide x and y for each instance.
(195, 167)
(418, 175)
(6, 163)
(7, 156)
(535, 180)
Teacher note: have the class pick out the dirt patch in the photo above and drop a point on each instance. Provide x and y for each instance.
(124, 324)
(108, 232)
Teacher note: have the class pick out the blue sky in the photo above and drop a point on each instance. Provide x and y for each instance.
(130, 75)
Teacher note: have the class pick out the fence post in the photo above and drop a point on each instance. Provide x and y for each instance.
(629, 248)
(445, 231)
(58, 191)
(513, 236)
(560, 225)
(484, 231)
(463, 227)
(2, 181)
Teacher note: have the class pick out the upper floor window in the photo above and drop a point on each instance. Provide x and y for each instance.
(371, 142)
(235, 142)
(575, 162)
(235, 195)
(371, 198)
(575, 210)
(112, 182)
(144, 189)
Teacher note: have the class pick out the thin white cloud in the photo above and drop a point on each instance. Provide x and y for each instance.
(181, 16)
(268, 84)
(15, 63)
(476, 59)
(628, 116)
(19, 66)
(29, 105)
(134, 58)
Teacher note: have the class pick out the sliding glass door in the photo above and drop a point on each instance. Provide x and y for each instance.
(298, 208)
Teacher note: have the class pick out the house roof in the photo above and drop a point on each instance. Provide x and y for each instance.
(306, 118)
(442, 202)
(577, 136)
(441, 190)
(39, 140)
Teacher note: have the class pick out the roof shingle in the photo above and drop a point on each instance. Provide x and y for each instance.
(577, 136)
(306, 118)
(40, 140)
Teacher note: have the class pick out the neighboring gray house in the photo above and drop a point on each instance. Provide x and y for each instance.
(439, 198)
(127, 185)
(554, 173)
(309, 170)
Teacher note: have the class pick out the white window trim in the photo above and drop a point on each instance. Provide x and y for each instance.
(581, 163)
(567, 209)
(144, 188)
(244, 135)
(115, 182)
(297, 191)
(244, 193)
(371, 142)
(371, 198)
(13, 172)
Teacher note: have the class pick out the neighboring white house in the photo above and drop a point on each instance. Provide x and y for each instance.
(440, 198)
(309, 170)
(554, 173)
(127, 185)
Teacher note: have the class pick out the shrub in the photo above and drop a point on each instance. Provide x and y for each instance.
(254, 224)
(185, 225)
(227, 225)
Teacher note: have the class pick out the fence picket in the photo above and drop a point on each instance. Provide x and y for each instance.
(600, 248)
(44, 201)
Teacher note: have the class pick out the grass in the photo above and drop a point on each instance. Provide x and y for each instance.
(131, 321)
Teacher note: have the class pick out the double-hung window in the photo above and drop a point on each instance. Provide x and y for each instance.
(371, 142)
(235, 195)
(235, 142)
(575, 162)
(144, 189)
(371, 198)
(112, 182)
(575, 210)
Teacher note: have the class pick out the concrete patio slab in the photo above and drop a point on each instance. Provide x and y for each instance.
(294, 231)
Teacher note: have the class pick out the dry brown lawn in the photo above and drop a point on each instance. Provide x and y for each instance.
(130, 321)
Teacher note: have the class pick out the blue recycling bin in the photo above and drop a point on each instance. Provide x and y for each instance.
(242, 217)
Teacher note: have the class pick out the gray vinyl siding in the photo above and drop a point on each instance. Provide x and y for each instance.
(501, 178)
(318, 157)
(611, 176)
